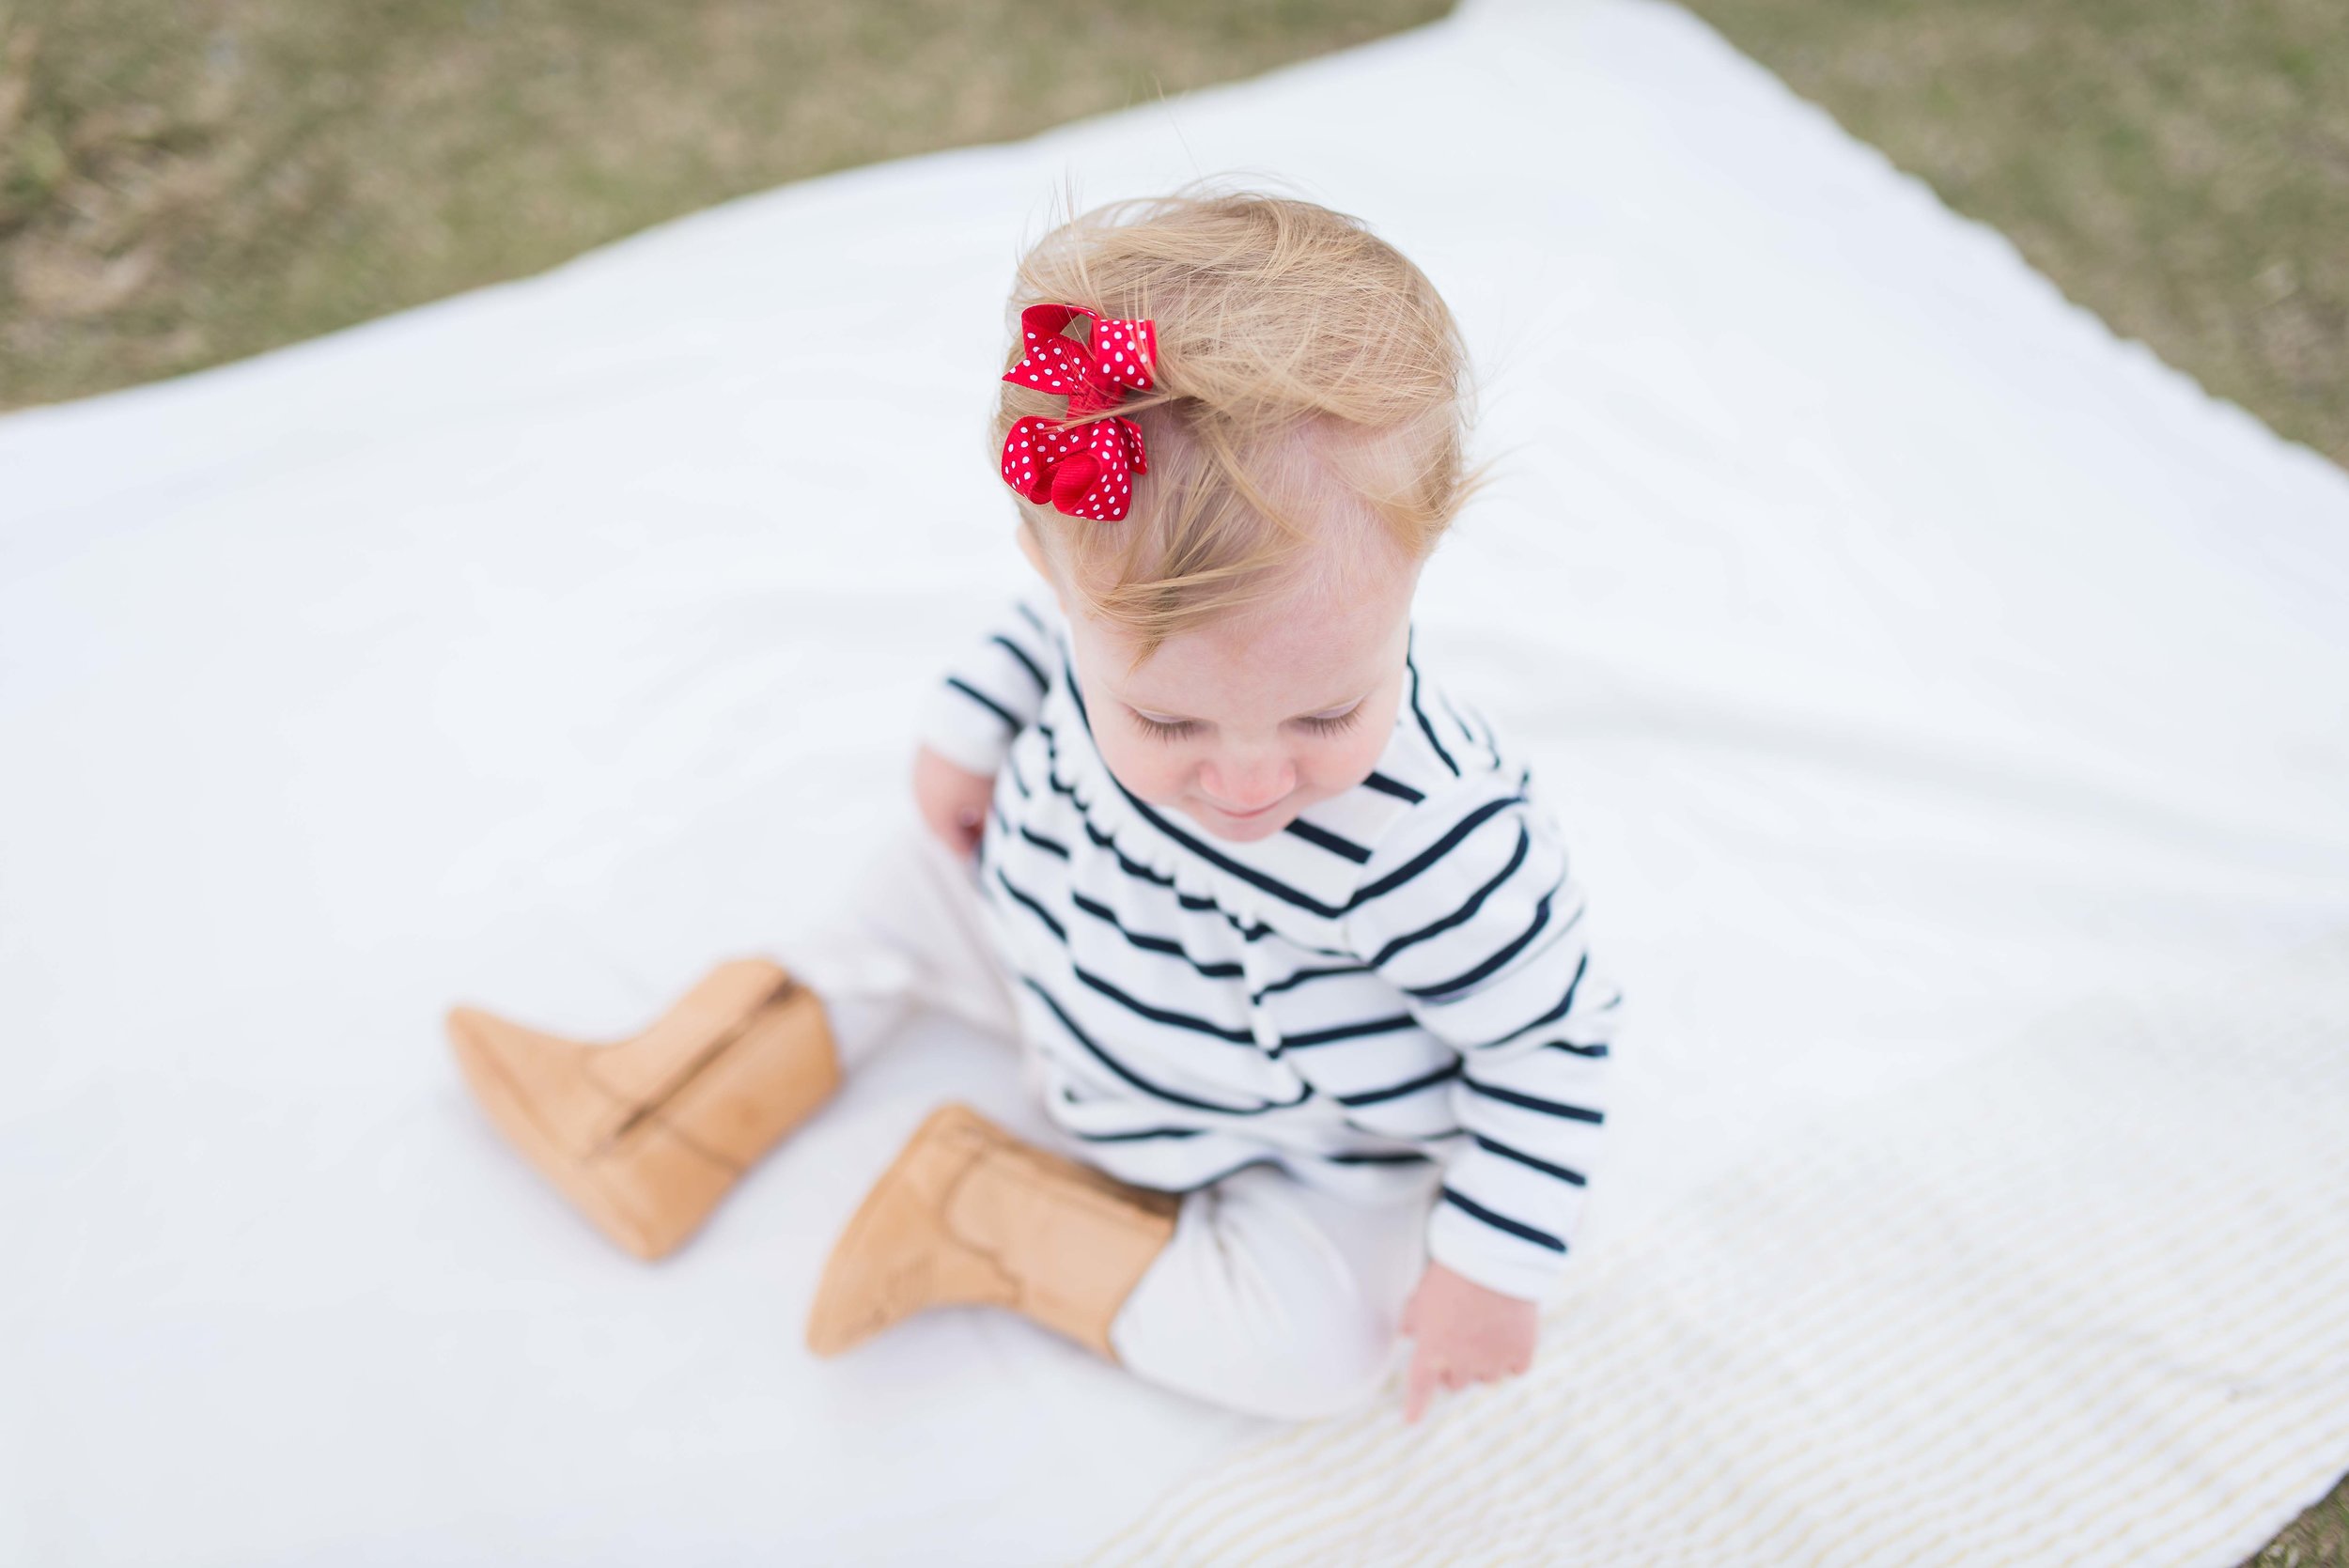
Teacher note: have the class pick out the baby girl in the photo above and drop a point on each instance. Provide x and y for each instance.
(1289, 950)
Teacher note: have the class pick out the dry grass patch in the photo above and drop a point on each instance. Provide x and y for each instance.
(2183, 170)
(189, 183)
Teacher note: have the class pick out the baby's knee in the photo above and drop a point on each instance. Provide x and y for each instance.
(1330, 1363)
(1252, 1307)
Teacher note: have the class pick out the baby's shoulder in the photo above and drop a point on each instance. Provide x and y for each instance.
(1444, 749)
(1449, 799)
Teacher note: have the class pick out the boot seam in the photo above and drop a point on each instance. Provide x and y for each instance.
(650, 1109)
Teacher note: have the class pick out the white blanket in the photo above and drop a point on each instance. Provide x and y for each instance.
(2032, 1312)
(1927, 677)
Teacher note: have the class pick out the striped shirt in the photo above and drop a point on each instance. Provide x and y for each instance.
(1401, 975)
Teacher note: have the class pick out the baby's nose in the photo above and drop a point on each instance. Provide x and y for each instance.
(1245, 785)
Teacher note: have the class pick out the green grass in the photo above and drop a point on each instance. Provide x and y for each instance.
(191, 182)
(2320, 1538)
(187, 183)
(2182, 169)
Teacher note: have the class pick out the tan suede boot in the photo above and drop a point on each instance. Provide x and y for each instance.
(646, 1135)
(969, 1215)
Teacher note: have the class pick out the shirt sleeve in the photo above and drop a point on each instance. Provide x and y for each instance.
(1474, 916)
(994, 691)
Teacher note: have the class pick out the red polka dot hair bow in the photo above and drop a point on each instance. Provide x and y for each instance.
(1086, 471)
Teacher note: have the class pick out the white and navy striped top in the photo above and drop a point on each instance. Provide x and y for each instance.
(1402, 975)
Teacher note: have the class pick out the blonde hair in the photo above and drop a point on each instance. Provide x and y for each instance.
(1298, 352)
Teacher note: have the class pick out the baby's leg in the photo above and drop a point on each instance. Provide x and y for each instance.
(1257, 1294)
(646, 1134)
(911, 937)
(1275, 1299)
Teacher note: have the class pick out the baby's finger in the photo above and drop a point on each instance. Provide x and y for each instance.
(1422, 1379)
(1512, 1366)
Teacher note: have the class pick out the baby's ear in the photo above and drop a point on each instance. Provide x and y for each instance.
(1032, 548)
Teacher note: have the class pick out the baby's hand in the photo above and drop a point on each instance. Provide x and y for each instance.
(1465, 1334)
(952, 801)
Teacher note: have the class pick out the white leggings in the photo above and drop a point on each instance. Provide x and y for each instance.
(1272, 1297)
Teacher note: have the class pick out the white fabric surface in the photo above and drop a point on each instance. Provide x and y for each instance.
(2030, 1311)
(1917, 663)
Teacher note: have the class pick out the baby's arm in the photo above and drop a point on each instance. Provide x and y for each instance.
(1486, 941)
(952, 800)
(986, 699)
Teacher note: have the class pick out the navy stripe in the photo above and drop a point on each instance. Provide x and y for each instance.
(1143, 1083)
(1224, 970)
(1348, 1031)
(1435, 852)
(1566, 1004)
(1305, 974)
(1323, 839)
(1375, 1096)
(1034, 669)
(1125, 863)
(1421, 714)
(1156, 1014)
(986, 701)
(1591, 1051)
(1160, 1015)
(1042, 843)
(1247, 874)
(1371, 1158)
(1395, 787)
(1251, 1160)
(1462, 982)
(1100, 840)
(1414, 1137)
(1503, 1222)
(1573, 1178)
(1137, 1135)
(1484, 741)
(1144, 873)
(1220, 970)
(1466, 911)
(1032, 619)
(1144, 1135)
(1040, 912)
(1532, 1102)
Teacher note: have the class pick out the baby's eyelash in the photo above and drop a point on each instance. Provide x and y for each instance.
(1157, 731)
(1336, 724)
(1339, 724)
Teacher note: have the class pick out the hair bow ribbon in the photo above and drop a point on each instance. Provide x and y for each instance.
(1086, 471)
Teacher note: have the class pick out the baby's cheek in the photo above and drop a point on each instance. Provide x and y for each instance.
(1153, 772)
(1341, 766)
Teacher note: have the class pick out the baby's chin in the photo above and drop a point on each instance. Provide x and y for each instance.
(1244, 830)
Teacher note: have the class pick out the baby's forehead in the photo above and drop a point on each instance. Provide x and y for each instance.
(1321, 638)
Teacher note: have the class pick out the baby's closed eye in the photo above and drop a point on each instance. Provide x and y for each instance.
(1317, 723)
